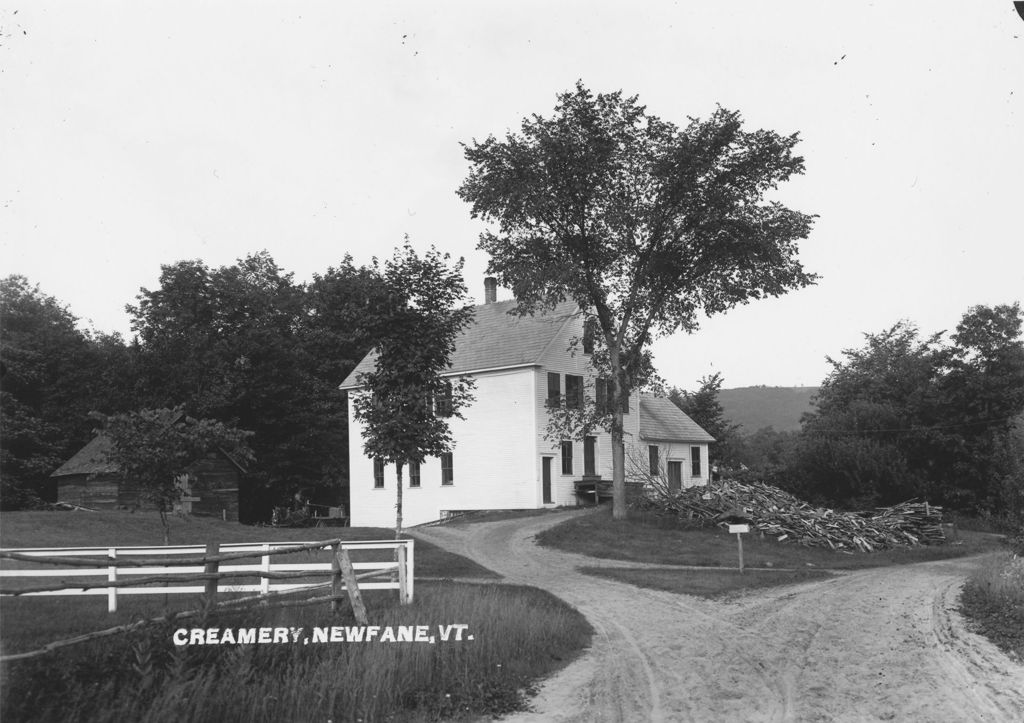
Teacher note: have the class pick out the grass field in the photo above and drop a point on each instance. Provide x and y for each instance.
(993, 599)
(597, 535)
(520, 635)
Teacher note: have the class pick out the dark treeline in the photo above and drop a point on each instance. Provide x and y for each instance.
(936, 418)
(244, 344)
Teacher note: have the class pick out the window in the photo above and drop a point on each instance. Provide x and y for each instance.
(414, 474)
(589, 330)
(378, 473)
(566, 457)
(447, 469)
(652, 457)
(554, 389)
(573, 391)
(695, 461)
(603, 392)
(443, 403)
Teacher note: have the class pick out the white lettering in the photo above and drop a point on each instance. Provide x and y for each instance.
(354, 635)
(280, 635)
(196, 636)
(228, 636)
(338, 634)
(319, 635)
(246, 636)
(296, 632)
(405, 633)
(422, 634)
(388, 636)
(264, 635)
(183, 639)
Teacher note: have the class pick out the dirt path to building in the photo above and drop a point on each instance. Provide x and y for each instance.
(883, 644)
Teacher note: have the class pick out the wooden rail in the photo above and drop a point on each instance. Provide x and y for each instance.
(202, 565)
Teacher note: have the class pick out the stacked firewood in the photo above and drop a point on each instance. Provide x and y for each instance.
(775, 512)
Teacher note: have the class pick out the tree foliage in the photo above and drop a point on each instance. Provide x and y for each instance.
(247, 344)
(53, 374)
(154, 448)
(909, 417)
(643, 224)
(405, 402)
(703, 407)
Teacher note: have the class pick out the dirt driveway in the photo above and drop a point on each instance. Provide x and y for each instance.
(882, 644)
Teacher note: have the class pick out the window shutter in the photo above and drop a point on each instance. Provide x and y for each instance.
(554, 389)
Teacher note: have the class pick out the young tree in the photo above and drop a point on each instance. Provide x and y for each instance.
(154, 447)
(405, 402)
(643, 224)
(703, 407)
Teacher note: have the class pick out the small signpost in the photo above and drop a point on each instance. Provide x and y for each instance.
(739, 531)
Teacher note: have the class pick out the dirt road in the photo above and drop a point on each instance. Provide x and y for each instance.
(882, 644)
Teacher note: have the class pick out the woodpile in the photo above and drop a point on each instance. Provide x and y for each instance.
(775, 512)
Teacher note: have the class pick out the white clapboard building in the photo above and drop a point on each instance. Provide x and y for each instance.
(501, 458)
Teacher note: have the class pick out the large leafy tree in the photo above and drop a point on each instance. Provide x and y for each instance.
(904, 416)
(406, 401)
(247, 344)
(154, 448)
(54, 373)
(643, 224)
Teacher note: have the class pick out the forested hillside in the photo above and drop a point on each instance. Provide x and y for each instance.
(754, 408)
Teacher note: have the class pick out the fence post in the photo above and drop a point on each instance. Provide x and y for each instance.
(336, 581)
(265, 567)
(112, 577)
(410, 569)
(212, 550)
(403, 594)
(354, 596)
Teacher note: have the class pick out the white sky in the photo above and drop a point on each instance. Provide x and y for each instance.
(134, 134)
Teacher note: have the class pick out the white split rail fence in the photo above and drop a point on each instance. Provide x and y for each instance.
(265, 569)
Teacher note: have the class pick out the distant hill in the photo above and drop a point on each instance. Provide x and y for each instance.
(757, 407)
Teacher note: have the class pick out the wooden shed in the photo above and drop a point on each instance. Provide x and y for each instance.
(89, 479)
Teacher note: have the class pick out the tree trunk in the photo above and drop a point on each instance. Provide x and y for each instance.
(618, 470)
(398, 502)
(618, 445)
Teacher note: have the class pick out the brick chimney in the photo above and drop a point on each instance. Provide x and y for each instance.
(490, 290)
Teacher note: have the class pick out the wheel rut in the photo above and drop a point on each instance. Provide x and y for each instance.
(879, 644)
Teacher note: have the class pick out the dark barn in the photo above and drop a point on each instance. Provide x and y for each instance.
(90, 480)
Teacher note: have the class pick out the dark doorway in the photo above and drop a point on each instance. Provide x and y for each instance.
(675, 476)
(546, 479)
(590, 456)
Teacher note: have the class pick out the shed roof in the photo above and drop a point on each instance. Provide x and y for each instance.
(495, 339)
(90, 459)
(662, 420)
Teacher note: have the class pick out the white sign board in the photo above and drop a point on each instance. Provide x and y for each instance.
(737, 529)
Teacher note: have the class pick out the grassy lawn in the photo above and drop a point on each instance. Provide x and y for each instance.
(519, 635)
(598, 535)
(498, 515)
(993, 600)
(115, 528)
(27, 623)
(707, 583)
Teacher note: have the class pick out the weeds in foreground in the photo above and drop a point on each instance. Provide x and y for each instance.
(993, 600)
(519, 635)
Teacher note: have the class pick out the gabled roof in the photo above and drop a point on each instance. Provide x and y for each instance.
(90, 459)
(494, 340)
(662, 420)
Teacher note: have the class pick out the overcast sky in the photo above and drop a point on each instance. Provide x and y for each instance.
(135, 134)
